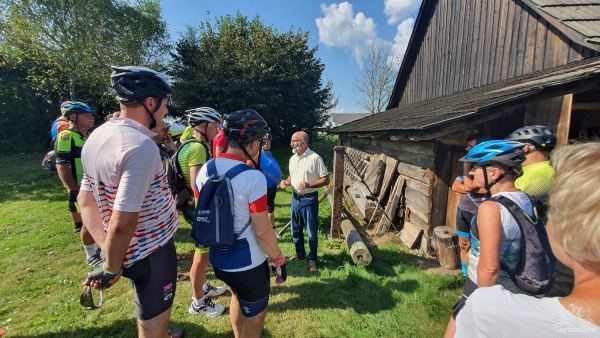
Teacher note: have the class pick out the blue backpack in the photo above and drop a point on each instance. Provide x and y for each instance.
(213, 221)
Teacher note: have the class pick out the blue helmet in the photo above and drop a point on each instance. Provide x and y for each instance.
(504, 152)
(74, 107)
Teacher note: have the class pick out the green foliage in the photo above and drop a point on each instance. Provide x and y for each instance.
(240, 63)
(58, 50)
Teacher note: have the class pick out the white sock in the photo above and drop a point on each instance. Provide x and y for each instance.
(205, 287)
(90, 250)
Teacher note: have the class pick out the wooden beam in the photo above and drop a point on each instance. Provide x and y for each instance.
(564, 121)
(356, 246)
(338, 191)
(586, 106)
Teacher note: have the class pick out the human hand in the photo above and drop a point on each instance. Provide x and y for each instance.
(283, 184)
(304, 185)
(102, 279)
(279, 267)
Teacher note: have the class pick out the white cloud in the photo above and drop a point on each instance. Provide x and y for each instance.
(401, 39)
(340, 27)
(396, 10)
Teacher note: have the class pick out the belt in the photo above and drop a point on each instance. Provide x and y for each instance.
(311, 194)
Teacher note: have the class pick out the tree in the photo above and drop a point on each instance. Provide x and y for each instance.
(63, 49)
(376, 80)
(239, 63)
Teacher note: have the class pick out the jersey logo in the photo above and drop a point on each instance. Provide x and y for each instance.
(64, 136)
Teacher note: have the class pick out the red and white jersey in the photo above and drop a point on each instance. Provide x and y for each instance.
(250, 196)
(122, 168)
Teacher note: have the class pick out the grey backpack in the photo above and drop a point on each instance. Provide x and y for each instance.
(535, 272)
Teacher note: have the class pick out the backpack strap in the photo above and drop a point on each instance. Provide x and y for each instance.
(520, 218)
(230, 174)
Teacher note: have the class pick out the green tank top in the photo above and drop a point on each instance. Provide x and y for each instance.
(68, 151)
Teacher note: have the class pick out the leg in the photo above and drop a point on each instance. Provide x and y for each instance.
(154, 281)
(253, 326)
(155, 327)
(310, 216)
(201, 303)
(463, 228)
(235, 315)
(297, 231)
(86, 237)
(198, 273)
(450, 329)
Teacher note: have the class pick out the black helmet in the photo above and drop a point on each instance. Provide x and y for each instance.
(134, 83)
(244, 126)
(541, 137)
(268, 136)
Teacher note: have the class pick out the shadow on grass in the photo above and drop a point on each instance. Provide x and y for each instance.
(354, 291)
(126, 328)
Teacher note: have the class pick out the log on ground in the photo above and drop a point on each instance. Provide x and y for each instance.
(358, 249)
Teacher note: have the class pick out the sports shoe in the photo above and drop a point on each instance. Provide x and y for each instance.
(312, 266)
(212, 291)
(95, 260)
(207, 308)
(77, 227)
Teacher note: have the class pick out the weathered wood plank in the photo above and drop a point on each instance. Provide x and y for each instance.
(439, 198)
(540, 44)
(423, 188)
(508, 40)
(502, 32)
(420, 174)
(411, 235)
(358, 249)
(419, 201)
(338, 191)
(564, 123)
(391, 168)
(391, 207)
(530, 50)
(518, 51)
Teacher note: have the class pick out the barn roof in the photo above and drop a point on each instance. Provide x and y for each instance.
(577, 19)
(440, 111)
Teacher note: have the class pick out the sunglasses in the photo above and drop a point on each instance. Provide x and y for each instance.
(87, 300)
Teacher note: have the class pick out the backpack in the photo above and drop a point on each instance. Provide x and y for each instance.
(535, 272)
(214, 216)
(181, 192)
(49, 161)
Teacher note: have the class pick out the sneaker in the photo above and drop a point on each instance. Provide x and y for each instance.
(212, 291)
(207, 308)
(95, 260)
(77, 228)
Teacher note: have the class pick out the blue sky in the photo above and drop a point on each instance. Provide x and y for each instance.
(342, 30)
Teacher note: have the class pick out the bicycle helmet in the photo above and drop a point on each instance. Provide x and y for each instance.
(541, 137)
(245, 126)
(203, 114)
(504, 152)
(268, 136)
(74, 107)
(133, 84)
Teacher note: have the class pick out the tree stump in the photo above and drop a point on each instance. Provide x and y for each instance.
(444, 243)
(358, 249)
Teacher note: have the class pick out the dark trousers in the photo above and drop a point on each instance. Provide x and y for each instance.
(305, 209)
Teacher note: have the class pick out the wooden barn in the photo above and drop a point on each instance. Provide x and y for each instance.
(486, 65)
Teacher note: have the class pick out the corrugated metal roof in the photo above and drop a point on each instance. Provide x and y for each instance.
(441, 111)
(580, 16)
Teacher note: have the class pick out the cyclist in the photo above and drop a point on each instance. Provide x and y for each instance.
(191, 157)
(68, 165)
(496, 237)
(244, 267)
(466, 210)
(126, 198)
(270, 167)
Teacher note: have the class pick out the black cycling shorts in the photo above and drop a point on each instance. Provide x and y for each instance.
(154, 280)
(464, 220)
(251, 287)
(271, 192)
(73, 207)
(468, 289)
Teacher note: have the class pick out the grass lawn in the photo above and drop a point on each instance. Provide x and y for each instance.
(42, 269)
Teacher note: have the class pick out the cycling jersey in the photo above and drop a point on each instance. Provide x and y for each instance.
(68, 152)
(537, 179)
(219, 141)
(192, 154)
(250, 196)
(122, 168)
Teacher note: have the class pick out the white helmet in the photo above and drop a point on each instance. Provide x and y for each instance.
(203, 114)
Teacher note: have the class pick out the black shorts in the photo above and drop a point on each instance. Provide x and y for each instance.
(154, 281)
(251, 287)
(468, 289)
(271, 192)
(464, 220)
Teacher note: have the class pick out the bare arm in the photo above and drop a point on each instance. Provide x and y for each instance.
(90, 216)
(320, 182)
(193, 174)
(66, 176)
(265, 236)
(490, 238)
(285, 183)
(120, 231)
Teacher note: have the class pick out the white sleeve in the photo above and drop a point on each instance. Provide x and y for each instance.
(322, 170)
(202, 177)
(258, 186)
(139, 169)
(85, 183)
